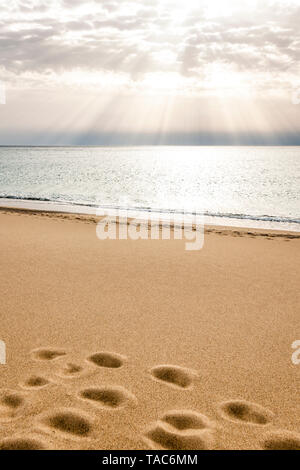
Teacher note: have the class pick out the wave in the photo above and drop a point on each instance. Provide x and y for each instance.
(153, 210)
(27, 198)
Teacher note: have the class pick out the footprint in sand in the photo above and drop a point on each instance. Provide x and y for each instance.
(281, 440)
(43, 354)
(182, 430)
(245, 412)
(107, 359)
(11, 405)
(69, 422)
(35, 382)
(111, 397)
(173, 375)
(71, 370)
(21, 443)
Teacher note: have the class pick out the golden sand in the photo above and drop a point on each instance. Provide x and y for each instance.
(143, 345)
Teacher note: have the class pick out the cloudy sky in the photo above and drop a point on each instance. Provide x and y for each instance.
(150, 72)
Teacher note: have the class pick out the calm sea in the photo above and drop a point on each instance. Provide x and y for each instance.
(239, 186)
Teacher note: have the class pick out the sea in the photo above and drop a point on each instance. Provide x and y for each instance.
(255, 187)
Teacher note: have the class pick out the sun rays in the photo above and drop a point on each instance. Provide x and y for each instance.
(168, 66)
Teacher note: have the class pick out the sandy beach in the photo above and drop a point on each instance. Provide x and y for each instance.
(143, 345)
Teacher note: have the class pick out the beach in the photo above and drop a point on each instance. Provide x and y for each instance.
(123, 344)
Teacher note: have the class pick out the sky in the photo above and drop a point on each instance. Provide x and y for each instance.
(131, 72)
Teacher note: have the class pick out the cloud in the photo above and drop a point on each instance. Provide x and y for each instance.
(203, 48)
(127, 36)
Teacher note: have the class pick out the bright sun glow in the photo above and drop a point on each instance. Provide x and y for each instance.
(211, 8)
(151, 66)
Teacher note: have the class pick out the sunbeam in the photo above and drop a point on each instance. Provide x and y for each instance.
(152, 68)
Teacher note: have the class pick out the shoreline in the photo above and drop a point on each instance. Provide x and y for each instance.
(216, 229)
(210, 222)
